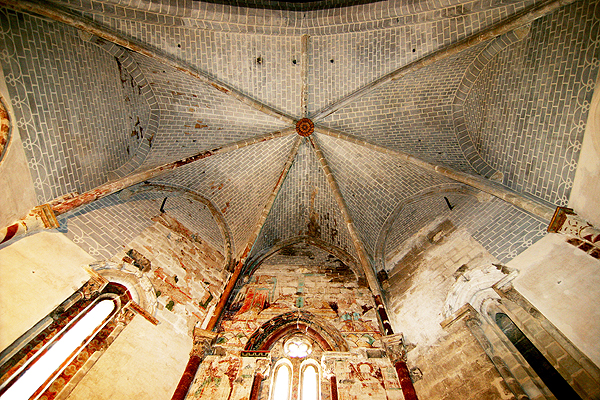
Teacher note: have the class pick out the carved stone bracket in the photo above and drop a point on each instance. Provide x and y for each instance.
(586, 236)
(203, 341)
(394, 347)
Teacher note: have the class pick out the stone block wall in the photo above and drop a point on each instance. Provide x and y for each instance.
(187, 274)
(458, 368)
(419, 284)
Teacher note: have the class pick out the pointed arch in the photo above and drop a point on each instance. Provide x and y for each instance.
(329, 338)
(255, 262)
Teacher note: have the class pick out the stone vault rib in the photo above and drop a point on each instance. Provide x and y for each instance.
(360, 248)
(72, 201)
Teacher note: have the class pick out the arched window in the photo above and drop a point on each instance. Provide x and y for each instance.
(309, 380)
(281, 388)
(296, 374)
(77, 329)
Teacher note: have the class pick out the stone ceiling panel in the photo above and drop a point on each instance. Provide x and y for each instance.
(527, 111)
(305, 206)
(238, 183)
(195, 116)
(373, 183)
(413, 114)
(75, 105)
(343, 63)
(259, 66)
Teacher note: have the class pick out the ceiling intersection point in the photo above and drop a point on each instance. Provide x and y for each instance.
(305, 127)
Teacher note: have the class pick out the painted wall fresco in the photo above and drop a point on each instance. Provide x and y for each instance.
(327, 300)
(188, 275)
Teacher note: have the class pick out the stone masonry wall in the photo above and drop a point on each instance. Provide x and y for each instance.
(452, 363)
(457, 368)
(187, 274)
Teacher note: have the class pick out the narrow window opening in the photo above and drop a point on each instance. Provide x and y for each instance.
(281, 388)
(60, 352)
(310, 383)
(547, 373)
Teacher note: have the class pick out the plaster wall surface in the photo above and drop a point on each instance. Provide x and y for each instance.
(585, 196)
(37, 273)
(17, 195)
(144, 362)
(563, 283)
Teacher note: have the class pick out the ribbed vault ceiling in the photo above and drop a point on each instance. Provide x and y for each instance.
(212, 89)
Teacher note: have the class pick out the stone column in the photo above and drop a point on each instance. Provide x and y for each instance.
(394, 345)
(202, 344)
(382, 312)
(472, 322)
(262, 371)
(474, 325)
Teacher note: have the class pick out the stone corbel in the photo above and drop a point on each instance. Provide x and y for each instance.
(585, 236)
(39, 218)
(394, 347)
(203, 341)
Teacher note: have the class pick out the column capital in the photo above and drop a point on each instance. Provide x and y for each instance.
(203, 340)
(394, 347)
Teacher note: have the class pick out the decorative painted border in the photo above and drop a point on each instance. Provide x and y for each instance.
(5, 131)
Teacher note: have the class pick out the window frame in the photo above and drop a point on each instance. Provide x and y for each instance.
(308, 363)
(33, 344)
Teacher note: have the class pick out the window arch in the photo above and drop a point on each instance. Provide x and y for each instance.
(46, 358)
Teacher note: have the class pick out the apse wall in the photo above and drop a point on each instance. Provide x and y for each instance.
(79, 111)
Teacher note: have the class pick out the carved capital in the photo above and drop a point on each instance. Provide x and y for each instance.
(394, 347)
(93, 286)
(203, 341)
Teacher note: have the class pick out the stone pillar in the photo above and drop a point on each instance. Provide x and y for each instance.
(472, 322)
(202, 344)
(261, 372)
(586, 236)
(394, 345)
(255, 391)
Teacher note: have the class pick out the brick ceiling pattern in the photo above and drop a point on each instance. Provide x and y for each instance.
(259, 54)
